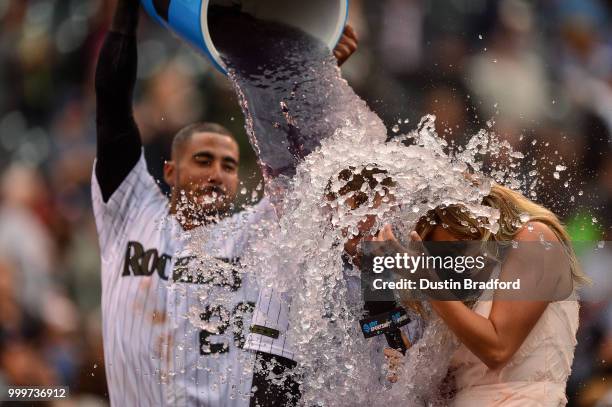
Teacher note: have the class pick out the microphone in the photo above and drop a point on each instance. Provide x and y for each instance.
(383, 315)
(385, 318)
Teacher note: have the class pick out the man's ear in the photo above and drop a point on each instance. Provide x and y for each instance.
(169, 169)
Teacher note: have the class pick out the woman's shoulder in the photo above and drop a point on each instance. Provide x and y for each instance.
(536, 231)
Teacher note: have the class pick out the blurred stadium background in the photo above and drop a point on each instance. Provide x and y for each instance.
(542, 71)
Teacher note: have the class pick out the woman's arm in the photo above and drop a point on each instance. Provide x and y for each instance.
(494, 340)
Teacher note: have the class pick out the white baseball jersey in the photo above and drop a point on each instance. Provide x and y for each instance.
(270, 323)
(152, 352)
(136, 256)
(210, 306)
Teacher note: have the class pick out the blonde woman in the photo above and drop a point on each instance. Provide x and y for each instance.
(512, 353)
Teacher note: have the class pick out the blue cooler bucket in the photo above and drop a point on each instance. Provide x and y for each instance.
(324, 19)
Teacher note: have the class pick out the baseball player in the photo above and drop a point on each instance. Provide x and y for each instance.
(174, 308)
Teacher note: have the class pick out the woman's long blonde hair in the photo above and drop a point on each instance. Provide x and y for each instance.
(514, 211)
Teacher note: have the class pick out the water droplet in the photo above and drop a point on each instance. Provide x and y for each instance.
(480, 36)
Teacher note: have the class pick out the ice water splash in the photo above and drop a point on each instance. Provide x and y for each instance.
(314, 136)
(307, 254)
(289, 86)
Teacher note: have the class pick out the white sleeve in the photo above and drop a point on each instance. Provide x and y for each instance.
(137, 191)
(270, 320)
(269, 325)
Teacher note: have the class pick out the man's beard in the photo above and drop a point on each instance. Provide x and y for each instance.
(202, 206)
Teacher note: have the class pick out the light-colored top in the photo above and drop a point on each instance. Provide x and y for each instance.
(537, 373)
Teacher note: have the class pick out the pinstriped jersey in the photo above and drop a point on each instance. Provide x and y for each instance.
(210, 304)
(169, 330)
(272, 313)
(136, 254)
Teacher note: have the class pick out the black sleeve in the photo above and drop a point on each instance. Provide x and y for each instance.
(118, 139)
(282, 391)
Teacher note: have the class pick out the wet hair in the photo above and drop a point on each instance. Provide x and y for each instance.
(184, 135)
(511, 205)
(354, 181)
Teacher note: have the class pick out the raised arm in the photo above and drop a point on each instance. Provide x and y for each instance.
(494, 340)
(118, 138)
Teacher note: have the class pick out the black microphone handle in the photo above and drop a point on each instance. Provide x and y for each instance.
(394, 340)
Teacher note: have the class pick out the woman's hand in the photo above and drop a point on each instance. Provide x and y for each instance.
(392, 244)
(386, 235)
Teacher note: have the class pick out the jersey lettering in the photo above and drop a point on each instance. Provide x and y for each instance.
(141, 263)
